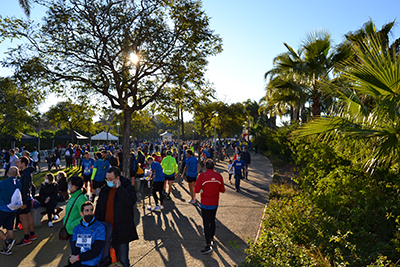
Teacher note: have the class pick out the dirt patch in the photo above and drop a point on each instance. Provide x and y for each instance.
(285, 173)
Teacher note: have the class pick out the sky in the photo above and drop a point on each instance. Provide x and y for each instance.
(253, 33)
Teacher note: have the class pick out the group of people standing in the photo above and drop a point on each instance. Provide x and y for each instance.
(117, 196)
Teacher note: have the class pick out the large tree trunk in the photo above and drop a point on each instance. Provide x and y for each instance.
(126, 146)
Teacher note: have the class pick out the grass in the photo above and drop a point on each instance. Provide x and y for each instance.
(39, 177)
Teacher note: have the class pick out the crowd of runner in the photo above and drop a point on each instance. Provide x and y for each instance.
(101, 179)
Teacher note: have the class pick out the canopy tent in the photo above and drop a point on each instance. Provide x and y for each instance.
(25, 138)
(104, 136)
(78, 136)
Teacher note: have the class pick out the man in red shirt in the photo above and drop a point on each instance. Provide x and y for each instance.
(210, 183)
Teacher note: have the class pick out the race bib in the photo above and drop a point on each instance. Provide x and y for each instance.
(84, 242)
(86, 171)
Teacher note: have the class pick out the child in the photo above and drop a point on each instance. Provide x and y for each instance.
(230, 170)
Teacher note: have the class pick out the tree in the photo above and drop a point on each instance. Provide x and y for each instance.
(72, 116)
(375, 73)
(26, 6)
(86, 46)
(19, 105)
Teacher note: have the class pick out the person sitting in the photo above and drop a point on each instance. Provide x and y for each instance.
(88, 239)
(62, 186)
(48, 197)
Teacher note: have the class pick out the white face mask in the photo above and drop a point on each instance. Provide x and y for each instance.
(46, 181)
(69, 187)
(238, 157)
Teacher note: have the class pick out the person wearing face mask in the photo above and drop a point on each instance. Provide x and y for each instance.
(238, 165)
(78, 197)
(88, 238)
(115, 206)
(48, 197)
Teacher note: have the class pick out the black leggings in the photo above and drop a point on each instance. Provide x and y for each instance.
(209, 224)
(158, 187)
(50, 210)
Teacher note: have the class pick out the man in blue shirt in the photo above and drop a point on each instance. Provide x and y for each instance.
(157, 174)
(7, 216)
(88, 239)
(238, 164)
(191, 171)
(87, 169)
(100, 169)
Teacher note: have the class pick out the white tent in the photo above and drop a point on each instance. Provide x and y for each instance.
(104, 136)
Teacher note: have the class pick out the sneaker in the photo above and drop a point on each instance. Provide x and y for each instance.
(148, 207)
(7, 248)
(50, 224)
(56, 217)
(206, 250)
(161, 207)
(193, 201)
(156, 208)
(33, 237)
(20, 226)
(24, 242)
(230, 182)
(212, 243)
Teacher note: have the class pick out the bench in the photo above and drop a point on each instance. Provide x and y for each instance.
(37, 215)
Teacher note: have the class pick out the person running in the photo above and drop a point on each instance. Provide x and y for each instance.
(191, 171)
(87, 169)
(7, 216)
(170, 171)
(238, 164)
(230, 171)
(210, 184)
(100, 169)
(158, 177)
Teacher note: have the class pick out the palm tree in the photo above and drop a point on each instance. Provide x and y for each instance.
(26, 6)
(376, 74)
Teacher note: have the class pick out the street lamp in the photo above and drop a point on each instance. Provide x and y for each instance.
(40, 116)
(193, 135)
(118, 132)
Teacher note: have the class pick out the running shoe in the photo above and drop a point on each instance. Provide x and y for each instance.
(7, 248)
(161, 207)
(56, 217)
(206, 250)
(193, 201)
(156, 208)
(24, 242)
(212, 243)
(33, 237)
(50, 224)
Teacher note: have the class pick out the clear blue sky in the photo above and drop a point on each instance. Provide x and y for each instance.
(254, 31)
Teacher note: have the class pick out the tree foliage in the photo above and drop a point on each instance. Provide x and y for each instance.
(84, 47)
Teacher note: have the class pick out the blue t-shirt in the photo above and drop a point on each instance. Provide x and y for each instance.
(85, 237)
(87, 166)
(191, 163)
(205, 153)
(238, 165)
(102, 168)
(159, 173)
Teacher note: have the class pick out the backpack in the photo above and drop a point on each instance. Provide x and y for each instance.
(67, 153)
(16, 199)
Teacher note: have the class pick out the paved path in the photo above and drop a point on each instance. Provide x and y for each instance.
(174, 237)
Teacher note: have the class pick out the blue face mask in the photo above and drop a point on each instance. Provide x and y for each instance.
(110, 184)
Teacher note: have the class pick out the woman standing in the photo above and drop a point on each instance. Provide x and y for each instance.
(73, 209)
(48, 197)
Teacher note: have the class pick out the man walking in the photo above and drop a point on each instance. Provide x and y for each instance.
(7, 216)
(212, 184)
(115, 206)
(238, 165)
(191, 171)
(170, 171)
(87, 169)
(246, 157)
(100, 169)
(158, 177)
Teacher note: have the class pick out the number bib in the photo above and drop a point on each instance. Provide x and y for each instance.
(84, 242)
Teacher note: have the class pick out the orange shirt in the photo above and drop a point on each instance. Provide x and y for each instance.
(110, 207)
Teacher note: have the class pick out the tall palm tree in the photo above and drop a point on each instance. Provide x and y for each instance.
(26, 6)
(375, 73)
